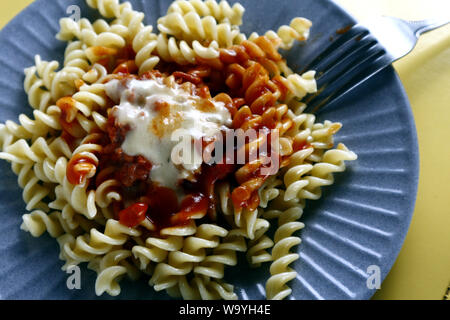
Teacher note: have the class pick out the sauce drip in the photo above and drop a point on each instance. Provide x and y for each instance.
(133, 215)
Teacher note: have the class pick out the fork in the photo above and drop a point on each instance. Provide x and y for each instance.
(360, 52)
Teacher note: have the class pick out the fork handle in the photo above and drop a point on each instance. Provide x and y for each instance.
(423, 26)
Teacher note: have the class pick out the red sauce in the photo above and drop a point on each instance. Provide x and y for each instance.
(163, 204)
(70, 126)
(193, 205)
(240, 196)
(116, 60)
(209, 78)
(67, 107)
(183, 76)
(126, 67)
(133, 215)
(300, 145)
(283, 89)
(78, 169)
(208, 179)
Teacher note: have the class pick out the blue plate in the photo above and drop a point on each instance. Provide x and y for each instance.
(360, 222)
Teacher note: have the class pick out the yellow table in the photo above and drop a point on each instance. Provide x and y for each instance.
(422, 270)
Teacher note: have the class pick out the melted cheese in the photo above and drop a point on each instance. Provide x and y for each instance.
(155, 111)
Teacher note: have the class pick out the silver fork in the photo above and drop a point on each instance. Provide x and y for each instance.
(357, 54)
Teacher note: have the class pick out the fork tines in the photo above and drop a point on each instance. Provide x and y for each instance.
(350, 59)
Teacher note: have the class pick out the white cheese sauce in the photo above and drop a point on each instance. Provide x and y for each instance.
(154, 111)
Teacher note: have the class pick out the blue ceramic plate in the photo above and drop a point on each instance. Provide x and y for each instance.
(360, 222)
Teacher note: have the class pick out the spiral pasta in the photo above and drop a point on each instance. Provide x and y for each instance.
(107, 8)
(223, 255)
(110, 269)
(180, 263)
(99, 34)
(221, 11)
(38, 222)
(40, 126)
(276, 288)
(86, 247)
(156, 250)
(269, 191)
(257, 252)
(191, 26)
(182, 53)
(322, 173)
(201, 287)
(286, 35)
(38, 98)
(144, 44)
(129, 212)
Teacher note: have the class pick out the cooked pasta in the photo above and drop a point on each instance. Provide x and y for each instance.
(102, 173)
(221, 11)
(38, 222)
(110, 269)
(191, 26)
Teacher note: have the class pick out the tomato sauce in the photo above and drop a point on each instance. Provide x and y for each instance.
(133, 215)
(78, 168)
(147, 200)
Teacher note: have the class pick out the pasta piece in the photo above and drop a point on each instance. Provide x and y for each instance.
(144, 44)
(110, 269)
(224, 200)
(33, 192)
(97, 74)
(298, 30)
(38, 98)
(108, 8)
(180, 263)
(82, 200)
(83, 164)
(130, 19)
(221, 11)
(44, 84)
(286, 35)
(38, 222)
(101, 34)
(21, 152)
(182, 53)
(6, 137)
(191, 27)
(269, 191)
(322, 173)
(86, 247)
(156, 250)
(75, 56)
(295, 171)
(276, 288)
(256, 253)
(201, 287)
(32, 129)
(223, 255)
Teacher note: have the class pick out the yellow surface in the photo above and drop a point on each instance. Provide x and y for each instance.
(422, 270)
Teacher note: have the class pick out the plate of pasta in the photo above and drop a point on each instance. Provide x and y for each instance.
(161, 150)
